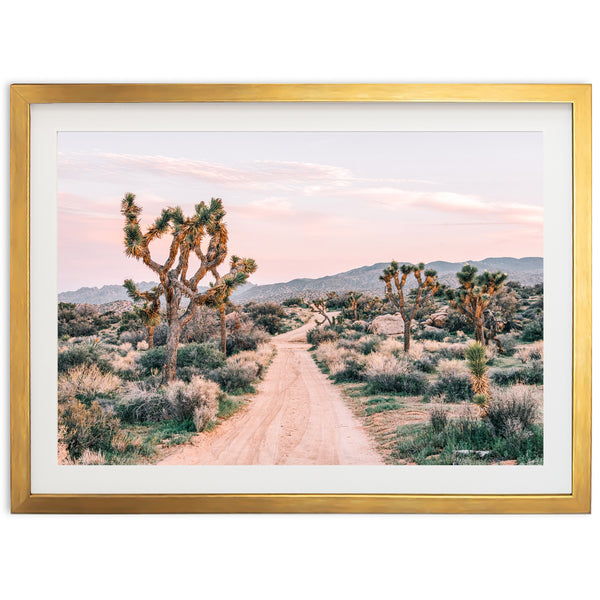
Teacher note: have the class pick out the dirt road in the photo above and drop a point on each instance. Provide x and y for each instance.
(297, 418)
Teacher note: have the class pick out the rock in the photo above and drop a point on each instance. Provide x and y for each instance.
(387, 325)
(479, 453)
(439, 318)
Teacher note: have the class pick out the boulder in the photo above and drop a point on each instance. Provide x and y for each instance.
(439, 318)
(387, 325)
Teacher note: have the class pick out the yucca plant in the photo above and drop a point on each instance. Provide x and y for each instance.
(475, 294)
(427, 283)
(188, 234)
(480, 382)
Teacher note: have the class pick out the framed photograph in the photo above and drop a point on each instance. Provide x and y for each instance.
(301, 298)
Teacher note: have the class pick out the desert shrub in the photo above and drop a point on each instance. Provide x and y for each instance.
(91, 457)
(237, 375)
(430, 333)
(533, 331)
(83, 354)
(85, 427)
(353, 368)
(85, 383)
(245, 339)
(202, 357)
(368, 344)
(267, 315)
(198, 401)
(125, 364)
(153, 360)
(532, 374)
(509, 343)
(454, 381)
(534, 351)
(295, 302)
(385, 373)
(141, 403)
(513, 411)
(316, 336)
(203, 327)
(391, 345)
(426, 363)
(456, 321)
(133, 336)
(82, 320)
(143, 345)
(205, 356)
(161, 331)
(438, 418)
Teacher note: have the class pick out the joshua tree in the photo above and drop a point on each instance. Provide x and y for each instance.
(318, 306)
(480, 383)
(220, 300)
(353, 304)
(188, 235)
(149, 312)
(427, 282)
(474, 295)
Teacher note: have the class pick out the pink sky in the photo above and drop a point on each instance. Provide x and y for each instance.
(304, 204)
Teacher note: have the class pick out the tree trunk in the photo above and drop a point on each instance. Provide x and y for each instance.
(171, 357)
(150, 337)
(406, 336)
(223, 331)
(479, 332)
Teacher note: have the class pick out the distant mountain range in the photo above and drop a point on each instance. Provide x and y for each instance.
(527, 271)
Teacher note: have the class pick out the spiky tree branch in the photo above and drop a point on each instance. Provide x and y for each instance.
(149, 312)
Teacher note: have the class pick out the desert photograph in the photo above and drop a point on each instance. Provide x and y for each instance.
(300, 298)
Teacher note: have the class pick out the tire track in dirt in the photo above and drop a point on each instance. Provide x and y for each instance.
(298, 417)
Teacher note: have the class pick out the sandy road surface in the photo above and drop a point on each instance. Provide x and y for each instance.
(297, 418)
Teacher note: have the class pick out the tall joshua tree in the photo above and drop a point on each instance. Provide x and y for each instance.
(149, 312)
(203, 235)
(474, 295)
(427, 285)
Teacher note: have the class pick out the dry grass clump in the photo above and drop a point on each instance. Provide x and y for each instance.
(530, 352)
(125, 363)
(513, 410)
(143, 345)
(125, 348)
(86, 382)
(452, 368)
(91, 457)
(416, 350)
(391, 346)
(333, 356)
(198, 400)
(262, 357)
(447, 350)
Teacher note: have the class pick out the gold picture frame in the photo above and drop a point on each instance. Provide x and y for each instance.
(22, 499)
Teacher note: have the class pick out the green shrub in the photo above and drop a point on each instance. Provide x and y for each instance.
(267, 315)
(204, 356)
(84, 427)
(426, 363)
(437, 335)
(245, 339)
(236, 377)
(353, 371)
(455, 386)
(412, 383)
(317, 336)
(83, 354)
(153, 359)
(140, 403)
(533, 332)
(531, 374)
(438, 419)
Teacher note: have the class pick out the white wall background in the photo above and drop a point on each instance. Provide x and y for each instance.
(226, 557)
